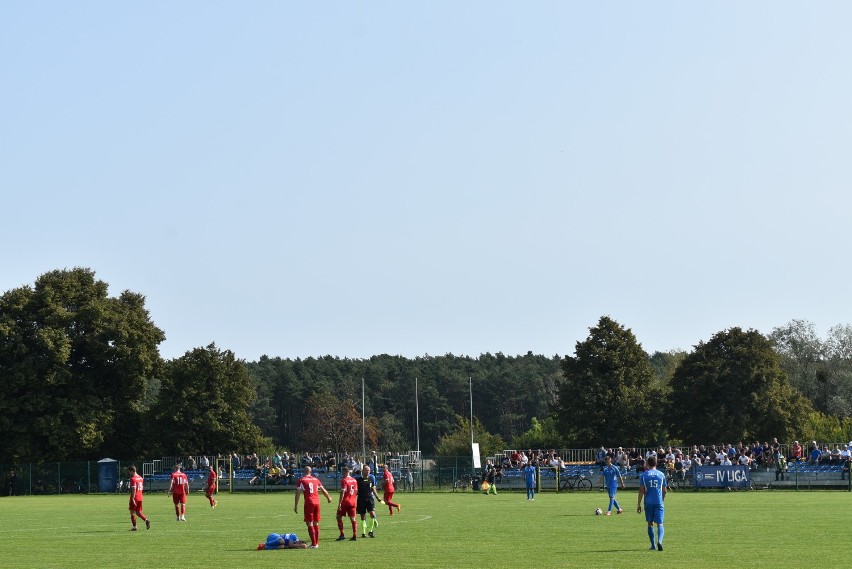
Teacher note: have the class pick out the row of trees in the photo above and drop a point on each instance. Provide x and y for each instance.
(81, 377)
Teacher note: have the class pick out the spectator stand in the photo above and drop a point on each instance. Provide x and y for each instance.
(805, 475)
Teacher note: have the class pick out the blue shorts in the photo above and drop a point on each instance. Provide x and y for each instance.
(612, 490)
(654, 513)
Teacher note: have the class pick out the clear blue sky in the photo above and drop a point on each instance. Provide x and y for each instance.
(299, 179)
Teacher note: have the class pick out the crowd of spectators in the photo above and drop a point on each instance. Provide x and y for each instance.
(519, 459)
(285, 468)
(678, 462)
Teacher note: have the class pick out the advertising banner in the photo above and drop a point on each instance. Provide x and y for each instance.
(721, 476)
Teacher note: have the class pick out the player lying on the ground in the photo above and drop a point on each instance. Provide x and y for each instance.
(282, 541)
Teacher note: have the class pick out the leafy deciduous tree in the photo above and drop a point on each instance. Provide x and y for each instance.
(457, 443)
(203, 405)
(732, 388)
(74, 364)
(335, 424)
(609, 395)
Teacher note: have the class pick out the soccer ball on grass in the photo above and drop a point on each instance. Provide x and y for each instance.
(598, 511)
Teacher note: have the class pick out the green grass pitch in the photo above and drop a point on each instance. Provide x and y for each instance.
(440, 530)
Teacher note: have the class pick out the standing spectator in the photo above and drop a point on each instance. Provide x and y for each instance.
(529, 479)
(235, 462)
(653, 487)
(11, 481)
(190, 463)
(409, 477)
(611, 476)
(346, 504)
(679, 467)
(389, 490)
(136, 499)
(178, 490)
(365, 503)
(211, 486)
(600, 455)
(780, 465)
(310, 487)
(204, 463)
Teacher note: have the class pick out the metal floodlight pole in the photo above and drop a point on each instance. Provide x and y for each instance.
(470, 387)
(417, 414)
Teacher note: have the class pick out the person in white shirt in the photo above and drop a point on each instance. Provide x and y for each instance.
(725, 460)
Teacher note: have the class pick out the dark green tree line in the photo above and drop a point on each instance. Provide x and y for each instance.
(81, 377)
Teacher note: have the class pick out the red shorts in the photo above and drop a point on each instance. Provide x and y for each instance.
(179, 498)
(346, 511)
(388, 495)
(312, 512)
(211, 490)
(137, 507)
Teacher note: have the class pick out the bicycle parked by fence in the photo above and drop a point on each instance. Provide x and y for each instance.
(680, 482)
(576, 481)
(465, 482)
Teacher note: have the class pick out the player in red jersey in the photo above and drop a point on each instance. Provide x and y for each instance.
(389, 490)
(136, 484)
(179, 489)
(310, 487)
(346, 504)
(211, 487)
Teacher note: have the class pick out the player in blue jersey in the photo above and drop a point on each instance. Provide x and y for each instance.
(529, 478)
(611, 476)
(652, 485)
(282, 541)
